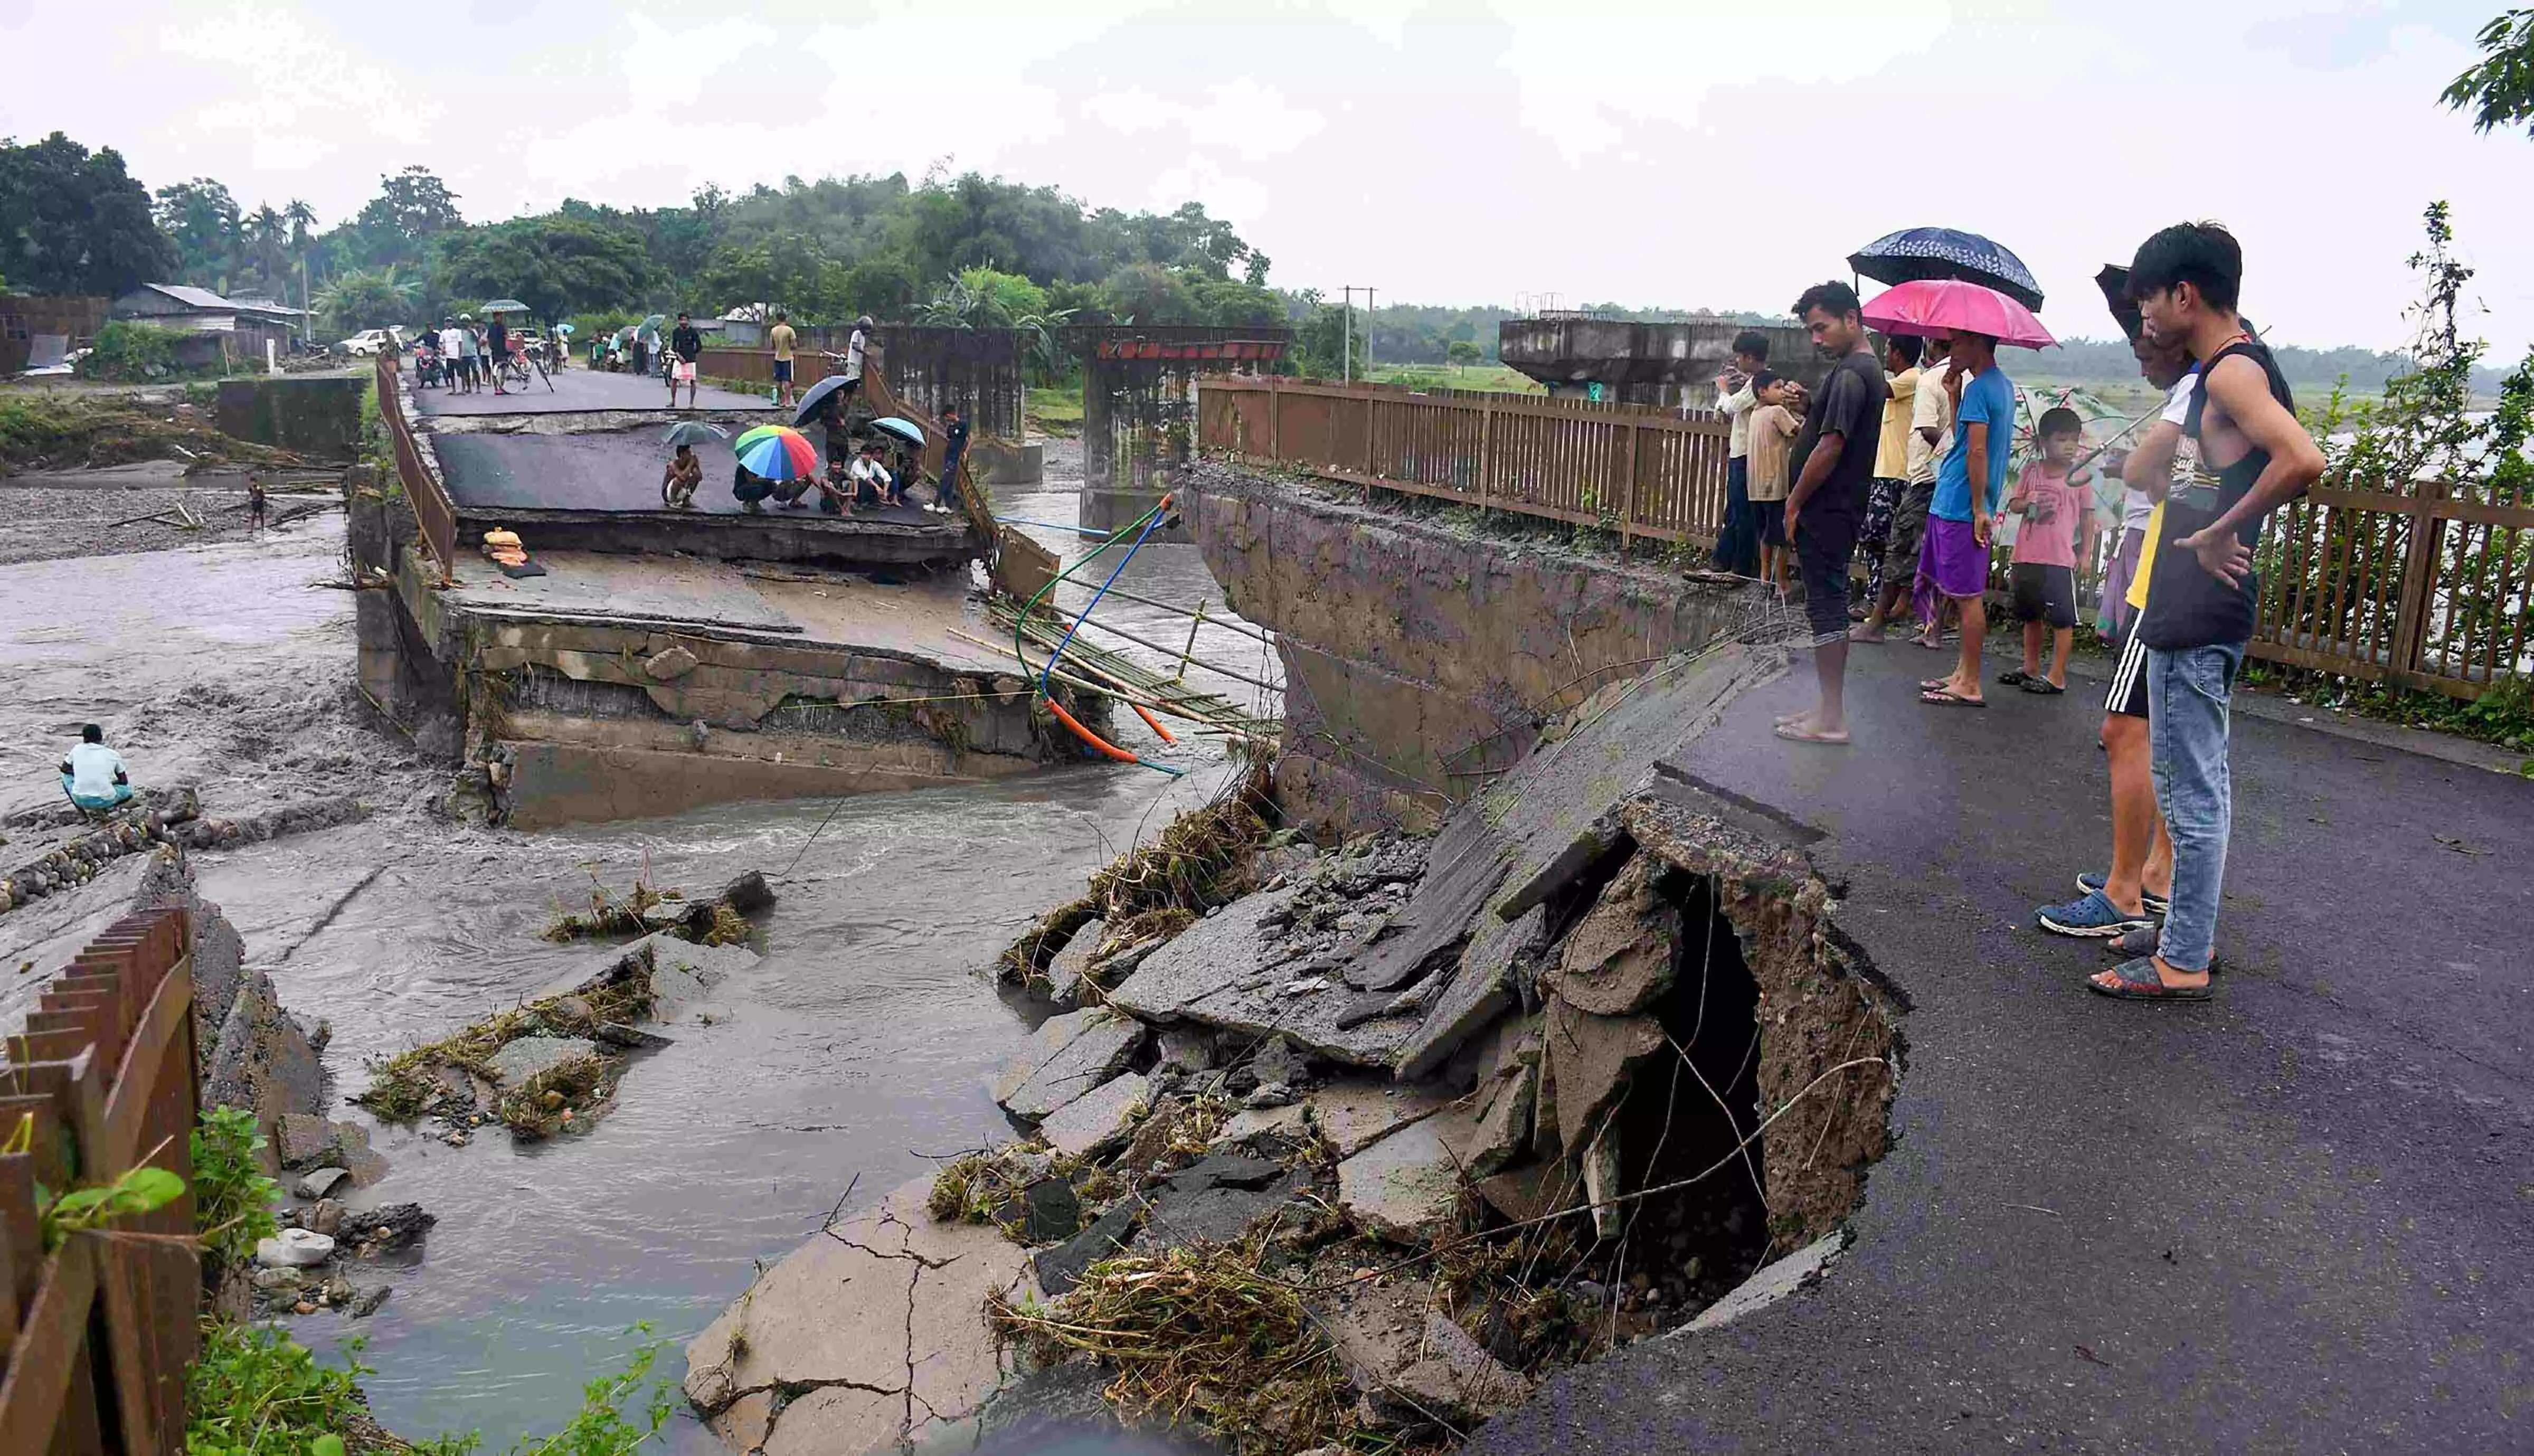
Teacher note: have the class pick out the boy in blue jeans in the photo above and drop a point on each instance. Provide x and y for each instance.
(2252, 456)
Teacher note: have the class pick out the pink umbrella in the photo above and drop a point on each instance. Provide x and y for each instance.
(1944, 305)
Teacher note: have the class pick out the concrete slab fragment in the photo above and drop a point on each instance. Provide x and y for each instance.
(1623, 953)
(1355, 1114)
(1100, 1120)
(1224, 972)
(1589, 1059)
(1067, 1061)
(1772, 1283)
(1405, 1185)
(529, 1056)
(1481, 989)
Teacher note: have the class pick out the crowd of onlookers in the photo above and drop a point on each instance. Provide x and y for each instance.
(1896, 469)
(463, 356)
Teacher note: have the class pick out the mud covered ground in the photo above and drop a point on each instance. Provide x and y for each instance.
(54, 517)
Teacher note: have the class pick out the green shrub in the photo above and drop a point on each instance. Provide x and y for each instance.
(232, 1198)
(129, 350)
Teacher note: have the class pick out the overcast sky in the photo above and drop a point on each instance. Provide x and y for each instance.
(1679, 155)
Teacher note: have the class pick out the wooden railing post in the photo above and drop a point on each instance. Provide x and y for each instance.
(1628, 493)
(1275, 421)
(1486, 453)
(2420, 562)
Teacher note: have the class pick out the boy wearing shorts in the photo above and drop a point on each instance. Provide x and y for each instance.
(2055, 498)
(1773, 437)
(782, 340)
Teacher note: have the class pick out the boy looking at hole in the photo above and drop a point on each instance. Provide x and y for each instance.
(2055, 499)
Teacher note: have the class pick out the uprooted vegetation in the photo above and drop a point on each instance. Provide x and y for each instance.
(564, 1051)
(62, 430)
(1205, 857)
(644, 909)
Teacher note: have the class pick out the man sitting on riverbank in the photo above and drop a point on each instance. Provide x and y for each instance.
(93, 774)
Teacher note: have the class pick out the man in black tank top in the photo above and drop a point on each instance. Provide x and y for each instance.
(2203, 594)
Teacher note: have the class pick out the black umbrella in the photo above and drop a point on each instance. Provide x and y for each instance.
(813, 400)
(1915, 252)
(2114, 281)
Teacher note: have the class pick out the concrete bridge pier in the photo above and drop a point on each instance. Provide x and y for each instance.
(1138, 431)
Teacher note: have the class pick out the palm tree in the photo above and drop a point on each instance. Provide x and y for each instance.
(266, 236)
(303, 223)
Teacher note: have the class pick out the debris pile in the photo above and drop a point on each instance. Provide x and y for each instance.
(1371, 1139)
(131, 829)
(551, 1066)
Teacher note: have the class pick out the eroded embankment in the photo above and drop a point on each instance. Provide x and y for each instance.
(1424, 651)
(1359, 1143)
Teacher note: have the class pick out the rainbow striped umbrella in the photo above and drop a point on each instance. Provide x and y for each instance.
(776, 452)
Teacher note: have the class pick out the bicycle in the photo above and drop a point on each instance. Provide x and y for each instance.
(521, 367)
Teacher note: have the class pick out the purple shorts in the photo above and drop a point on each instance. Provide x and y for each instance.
(1950, 563)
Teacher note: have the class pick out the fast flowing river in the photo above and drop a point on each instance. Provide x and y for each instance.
(862, 1042)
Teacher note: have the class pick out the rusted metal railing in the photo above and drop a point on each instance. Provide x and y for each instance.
(1640, 473)
(2430, 589)
(432, 510)
(97, 1334)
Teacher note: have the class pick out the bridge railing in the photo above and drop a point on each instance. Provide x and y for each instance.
(2430, 589)
(96, 1333)
(1638, 472)
(432, 510)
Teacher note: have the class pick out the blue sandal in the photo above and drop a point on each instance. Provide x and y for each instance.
(2089, 882)
(2137, 981)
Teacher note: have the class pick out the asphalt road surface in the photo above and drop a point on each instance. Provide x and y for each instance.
(2298, 1217)
(581, 388)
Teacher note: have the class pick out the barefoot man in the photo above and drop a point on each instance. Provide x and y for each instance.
(1833, 460)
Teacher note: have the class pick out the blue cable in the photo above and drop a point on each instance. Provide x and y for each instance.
(1045, 673)
(1049, 525)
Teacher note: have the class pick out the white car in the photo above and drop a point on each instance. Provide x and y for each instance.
(367, 342)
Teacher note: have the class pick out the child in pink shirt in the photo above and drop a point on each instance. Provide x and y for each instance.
(2056, 501)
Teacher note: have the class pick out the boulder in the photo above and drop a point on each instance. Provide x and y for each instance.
(1070, 1056)
(300, 1140)
(530, 1055)
(1623, 953)
(295, 1249)
(1100, 1119)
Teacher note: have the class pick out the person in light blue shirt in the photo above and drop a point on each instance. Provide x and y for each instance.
(1988, 400)
(1952, 559)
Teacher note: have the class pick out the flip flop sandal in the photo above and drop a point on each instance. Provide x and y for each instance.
(1790, 734)
(2014, 677)
(1932, 685)
(1938, 698)
(2042, 685)
(2136, 980)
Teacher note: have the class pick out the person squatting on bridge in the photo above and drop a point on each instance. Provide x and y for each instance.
(2202, 593)
(1833, 461)
(93, 775)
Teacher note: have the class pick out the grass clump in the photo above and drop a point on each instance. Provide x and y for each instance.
(1198, 1333)
(634, 914)
(559, 1099)
(407, 1086)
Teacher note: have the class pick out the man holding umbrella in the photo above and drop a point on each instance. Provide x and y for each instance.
(1833, 461)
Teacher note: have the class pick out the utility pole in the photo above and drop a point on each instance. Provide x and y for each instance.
(1347, 372)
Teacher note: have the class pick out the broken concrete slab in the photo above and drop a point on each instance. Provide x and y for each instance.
(1460, 1375)
(670, 664)
(1214, 1210)
(529, 1056)
(1070, 1056)
(1407, 1183)
(1228, 971)
(1623, 953)
(1771, 1283)
(877, 1327)
(1500, 1134)
(1251, 1126)
(1414, 1362)
(1068, 973)
(320, 1182)
(1590, 1060)
(1100, 1119)
(1060, 1268)
(1355, 1113)
(1463, 868)
(1482, 988)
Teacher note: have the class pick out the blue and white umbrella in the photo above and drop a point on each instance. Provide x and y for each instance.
(1915, 252)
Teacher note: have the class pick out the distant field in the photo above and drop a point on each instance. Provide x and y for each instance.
(1457, 377)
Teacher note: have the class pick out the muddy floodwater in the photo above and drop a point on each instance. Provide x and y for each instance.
(862, 1043)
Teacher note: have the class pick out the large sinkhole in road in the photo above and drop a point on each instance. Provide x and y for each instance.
(1746, 1122)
